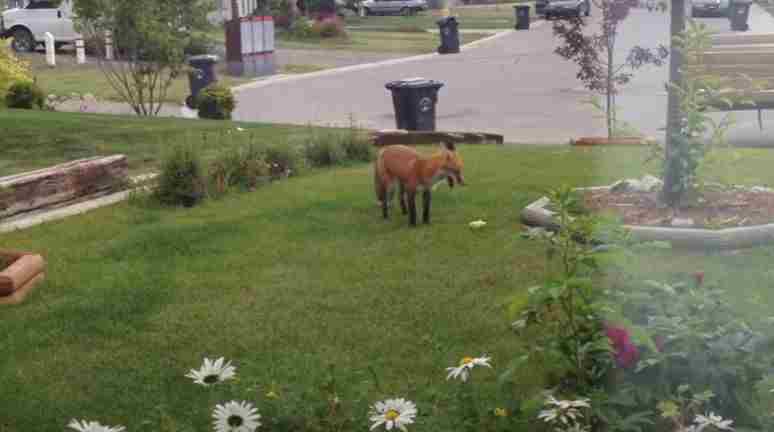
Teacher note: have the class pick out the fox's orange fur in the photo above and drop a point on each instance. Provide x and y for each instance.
(412, 172)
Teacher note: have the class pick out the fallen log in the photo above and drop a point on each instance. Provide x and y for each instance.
(61, 183)
(23, 268)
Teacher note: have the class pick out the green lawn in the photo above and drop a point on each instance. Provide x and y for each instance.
(290, 279)
(34, 139)
(69, 77)
(376, 42)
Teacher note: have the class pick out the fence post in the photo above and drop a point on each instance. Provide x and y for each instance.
(50, 50)
(80, 51)
(108, 45)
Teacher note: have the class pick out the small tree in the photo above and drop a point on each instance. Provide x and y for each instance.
(149, 39)
(595, 54)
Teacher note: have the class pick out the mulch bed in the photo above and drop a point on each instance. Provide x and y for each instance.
(717, 209)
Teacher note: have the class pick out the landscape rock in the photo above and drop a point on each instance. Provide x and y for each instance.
(647, 183)
(761, 189)
(682, 223)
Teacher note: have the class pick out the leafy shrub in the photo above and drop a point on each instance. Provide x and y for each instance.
(242, 167)
(181, 181)
(324, 149)
(216, 102)
(12, 69)
(329, 28)
(301, 28)
(25, 95)
(283, 160)
(358, 146)
(198, 44)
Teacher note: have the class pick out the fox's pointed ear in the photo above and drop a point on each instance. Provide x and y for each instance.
(449, 145)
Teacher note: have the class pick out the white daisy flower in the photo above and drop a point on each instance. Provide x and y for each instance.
(466, 365)
(212, 372)
(393, 413)
(92, 426)
(236, 417)
(476, 224)
(712, 420)
(564, 412)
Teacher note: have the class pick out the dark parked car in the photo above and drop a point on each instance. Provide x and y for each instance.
(557, 8)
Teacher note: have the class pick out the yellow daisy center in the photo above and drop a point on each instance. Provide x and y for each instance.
(235, 421)
(466, 361)
(391, 415)
(211, 379)
(500, 412)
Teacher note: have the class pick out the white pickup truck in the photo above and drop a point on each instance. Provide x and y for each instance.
(28, 26)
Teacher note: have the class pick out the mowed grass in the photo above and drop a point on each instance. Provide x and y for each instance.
(68, 77)
(376, 42)
(36, 139)
(297, 276)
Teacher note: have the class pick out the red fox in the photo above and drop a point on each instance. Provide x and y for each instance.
(402, 165)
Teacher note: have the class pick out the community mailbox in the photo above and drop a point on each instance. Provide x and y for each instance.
(249, 39)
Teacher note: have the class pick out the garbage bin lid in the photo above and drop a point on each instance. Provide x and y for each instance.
(741, 2)
(413, 83)
(203, 58)
(447, 21)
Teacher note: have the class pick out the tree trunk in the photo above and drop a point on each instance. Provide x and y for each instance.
(610, 85)
(677, 26)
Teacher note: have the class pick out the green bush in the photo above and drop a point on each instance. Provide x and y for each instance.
(329, 28)
(241, 167)
(25, 95)
(216, 102)
(301, 28)
(181, 181)
(324, 149)
(358, 146)
(283, 160)
(198, 44)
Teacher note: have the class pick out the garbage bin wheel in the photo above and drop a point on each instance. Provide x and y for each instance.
(190, 102)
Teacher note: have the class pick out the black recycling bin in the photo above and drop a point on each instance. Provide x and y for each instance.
(739, 13)
(202, 75)
(522, 17)
(414, 101)
(450, 36)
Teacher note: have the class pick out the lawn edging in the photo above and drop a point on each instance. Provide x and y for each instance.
(537, 214)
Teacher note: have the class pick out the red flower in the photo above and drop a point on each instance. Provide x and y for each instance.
(699, 278)
(626, 354)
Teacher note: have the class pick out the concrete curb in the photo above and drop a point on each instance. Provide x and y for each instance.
(536, 214)
(366, 66)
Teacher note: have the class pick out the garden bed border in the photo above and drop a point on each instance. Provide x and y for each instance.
(536, 214)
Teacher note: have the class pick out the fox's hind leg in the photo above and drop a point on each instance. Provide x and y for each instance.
(388, 189)
(402, 197)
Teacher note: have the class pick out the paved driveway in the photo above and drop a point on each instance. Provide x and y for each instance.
(513, 84)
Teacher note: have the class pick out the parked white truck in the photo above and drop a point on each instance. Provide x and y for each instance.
(28, 25)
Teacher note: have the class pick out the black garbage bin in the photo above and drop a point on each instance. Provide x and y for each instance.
(202, 75)
(522, 17)
(739, 13)
(414, 101)
(450, 36)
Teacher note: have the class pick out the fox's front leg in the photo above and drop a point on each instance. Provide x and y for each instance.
(411, 196)
(426, 197)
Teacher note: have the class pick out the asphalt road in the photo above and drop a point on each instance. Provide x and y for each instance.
(514, 85)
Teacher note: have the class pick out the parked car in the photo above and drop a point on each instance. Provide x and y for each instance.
(701, 8)
(29, 25)
(385, 7)
(557, 8)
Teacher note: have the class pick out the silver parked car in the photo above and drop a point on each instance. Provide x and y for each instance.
(402, 7)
